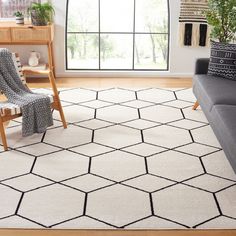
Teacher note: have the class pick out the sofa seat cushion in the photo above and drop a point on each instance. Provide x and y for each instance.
(224, 117)
(211, 91)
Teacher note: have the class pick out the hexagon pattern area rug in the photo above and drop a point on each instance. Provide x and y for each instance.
(130, 158)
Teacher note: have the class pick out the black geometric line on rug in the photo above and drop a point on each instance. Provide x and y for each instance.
(233, 184)
(206, 221)
(15, 189)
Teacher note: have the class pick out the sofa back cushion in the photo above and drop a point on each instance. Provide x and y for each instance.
(223, 60)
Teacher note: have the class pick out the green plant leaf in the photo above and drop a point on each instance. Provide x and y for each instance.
(222, 17)
(44, 11)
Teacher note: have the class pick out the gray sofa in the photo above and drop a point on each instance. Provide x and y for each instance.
(217, 98)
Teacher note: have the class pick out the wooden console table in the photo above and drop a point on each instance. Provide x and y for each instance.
(27, 34)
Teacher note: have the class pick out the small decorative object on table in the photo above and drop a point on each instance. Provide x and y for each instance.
(34, 58)
(41, 13)
(19, 17)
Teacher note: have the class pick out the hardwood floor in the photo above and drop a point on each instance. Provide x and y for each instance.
(116, 82)
(116, 233)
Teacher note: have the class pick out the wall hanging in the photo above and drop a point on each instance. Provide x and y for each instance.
(193, 27)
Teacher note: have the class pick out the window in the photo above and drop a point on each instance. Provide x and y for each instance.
(9, 7)
(117, 35)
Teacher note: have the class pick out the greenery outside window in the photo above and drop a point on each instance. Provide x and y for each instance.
(9, 7)
(117, 35)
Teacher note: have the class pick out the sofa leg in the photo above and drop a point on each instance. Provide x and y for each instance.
(195, 106)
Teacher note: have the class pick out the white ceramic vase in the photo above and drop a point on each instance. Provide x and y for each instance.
(34, 58)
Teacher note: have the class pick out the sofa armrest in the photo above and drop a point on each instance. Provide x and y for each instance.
(201, 66)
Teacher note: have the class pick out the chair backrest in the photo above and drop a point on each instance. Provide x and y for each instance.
(18, 66)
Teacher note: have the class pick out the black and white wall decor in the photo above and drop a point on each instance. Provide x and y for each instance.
(193, 27)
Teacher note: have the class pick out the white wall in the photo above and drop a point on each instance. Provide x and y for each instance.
(182, 59)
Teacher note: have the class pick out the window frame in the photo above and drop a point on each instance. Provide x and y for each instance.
(112, 33)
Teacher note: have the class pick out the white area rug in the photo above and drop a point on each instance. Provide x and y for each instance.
(133, 159)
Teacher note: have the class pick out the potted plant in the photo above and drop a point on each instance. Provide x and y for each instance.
(19, 17)
(41, 13)
(222, 18)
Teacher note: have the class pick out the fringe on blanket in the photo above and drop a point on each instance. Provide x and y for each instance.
(193, 28)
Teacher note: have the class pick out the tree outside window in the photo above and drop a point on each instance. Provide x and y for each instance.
(9, 7)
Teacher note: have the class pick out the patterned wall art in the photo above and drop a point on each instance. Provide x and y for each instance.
(193, 27)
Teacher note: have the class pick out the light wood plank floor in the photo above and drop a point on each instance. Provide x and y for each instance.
(116, 233)
(115, 82)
